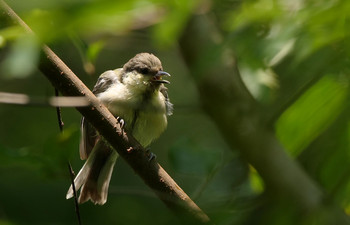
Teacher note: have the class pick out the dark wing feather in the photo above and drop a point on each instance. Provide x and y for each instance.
(89, 136)
(104, 82)
(88, 139)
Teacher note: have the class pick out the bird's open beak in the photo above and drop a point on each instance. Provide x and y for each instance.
(158, 77)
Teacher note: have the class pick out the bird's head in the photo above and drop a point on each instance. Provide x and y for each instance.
(145, 69)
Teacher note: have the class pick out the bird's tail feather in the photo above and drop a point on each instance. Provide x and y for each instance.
(95, 175)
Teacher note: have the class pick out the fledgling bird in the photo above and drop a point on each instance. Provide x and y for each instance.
(135, 93)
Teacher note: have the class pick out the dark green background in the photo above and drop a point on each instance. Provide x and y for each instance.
(293, 57)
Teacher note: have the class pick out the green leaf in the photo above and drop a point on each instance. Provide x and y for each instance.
(311, 114)
(256, 182)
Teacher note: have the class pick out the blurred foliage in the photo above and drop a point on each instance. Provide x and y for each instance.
(303, 119)
(293, 56)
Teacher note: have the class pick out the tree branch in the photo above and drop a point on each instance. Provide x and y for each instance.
(226, 100)
(106, 124)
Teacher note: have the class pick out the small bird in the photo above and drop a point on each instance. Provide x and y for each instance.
(136, 95)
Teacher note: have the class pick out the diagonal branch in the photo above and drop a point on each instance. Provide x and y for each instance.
(106, 124)
(240, 119)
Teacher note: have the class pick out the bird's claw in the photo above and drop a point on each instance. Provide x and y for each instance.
(121, 122)
(150, 155)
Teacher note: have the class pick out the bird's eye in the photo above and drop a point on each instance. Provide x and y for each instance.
(144, 70)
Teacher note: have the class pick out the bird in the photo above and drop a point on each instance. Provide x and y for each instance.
(136, 95)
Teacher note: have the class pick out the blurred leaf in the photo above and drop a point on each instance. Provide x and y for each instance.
(311, 114)
(347, 210)
(2, 41)
(93, 17)
(6, 222)
(264, 11)
(22, 59)
(264, 32)
(88, 52)
(256, 182)
(94, 49)
(91, 55)
(335, 171)
(10, 33)
(327, 158)
(178, 12)
(259, 82)
(327, 23)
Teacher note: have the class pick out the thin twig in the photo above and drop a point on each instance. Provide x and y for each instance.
(59, 114)
(61, 101)
(61, 125)
(77, 211)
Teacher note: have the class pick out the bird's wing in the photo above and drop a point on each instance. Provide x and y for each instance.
(169, 106)
(89, 136)
(107, 79)
(88, 139)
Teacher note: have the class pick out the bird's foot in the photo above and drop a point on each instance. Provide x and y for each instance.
(150, 154)
(122, 125)
(121, 122)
